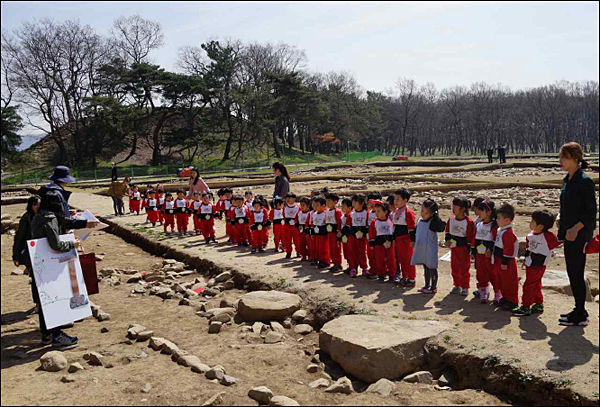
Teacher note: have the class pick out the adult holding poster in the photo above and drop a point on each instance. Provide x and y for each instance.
(50, 223)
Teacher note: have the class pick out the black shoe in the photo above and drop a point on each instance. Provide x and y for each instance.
(261, 250)
(288, 255)
(64, 341)
(253, 251)
(574, 320)
(574, 311)
(509, 306)
(46, 339)
(322, 265)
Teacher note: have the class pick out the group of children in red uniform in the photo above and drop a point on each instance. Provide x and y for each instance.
(382, 238)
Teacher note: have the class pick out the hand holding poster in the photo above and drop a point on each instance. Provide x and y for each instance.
(60, 283)
(85, 233)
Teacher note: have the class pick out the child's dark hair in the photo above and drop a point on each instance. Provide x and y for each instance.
(221, 192)
(374, 196)
(258, 202)
(261, 198)
(332, 196)
(305, 200)
(360, 198)
(290, 195)
(248, 193)
(383, 205)
(390, 200)
(237, 198)
(150, 191)
(180, 191)
(205, 195)
(462, 202)
(478, 202)
(431, 205)
(33, 200)
(507, 211)
(277, 201)
(403, 193)
(347, 202)
(320, 199)
(168, 195)
(227, 191)
(133, 186)
(544, 217)
(486, 205)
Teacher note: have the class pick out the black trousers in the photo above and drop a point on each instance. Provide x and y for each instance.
(575, 258)
(118, 205)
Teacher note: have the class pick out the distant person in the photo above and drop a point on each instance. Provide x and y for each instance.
(117, 191)
(197, 184)
(576, 225)
(490, 155)
(282, 180)
(501, 154)
(113, 171)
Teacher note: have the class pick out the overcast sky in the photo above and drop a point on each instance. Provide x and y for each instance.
(520, 45)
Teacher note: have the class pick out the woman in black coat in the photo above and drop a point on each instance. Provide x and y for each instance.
(282, 180)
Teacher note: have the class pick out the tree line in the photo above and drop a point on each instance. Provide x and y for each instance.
(96, 96)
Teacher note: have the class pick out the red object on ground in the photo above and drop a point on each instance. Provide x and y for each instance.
(400, 158)
(199, 290)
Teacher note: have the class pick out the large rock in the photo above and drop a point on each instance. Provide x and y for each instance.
(268, 305)
(419, 377)
(53, 361)
(283, 401)
(262, 395)
(383, 387)
(343, 386)
(558, 280)
(372, 348)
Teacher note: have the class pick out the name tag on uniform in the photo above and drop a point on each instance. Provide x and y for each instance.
(259, 227)
(452, 243)
(329, 228)
(344, 239)
(481, 249)
(359, 234)
(316, 229)
(387, 244)
(241, 220)
(207, 217)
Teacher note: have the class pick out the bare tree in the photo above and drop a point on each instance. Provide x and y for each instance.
(135, 37)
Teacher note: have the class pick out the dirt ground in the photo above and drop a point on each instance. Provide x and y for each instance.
(537, 345)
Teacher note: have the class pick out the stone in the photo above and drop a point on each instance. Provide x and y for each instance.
(268, 305)
(219, 311)
(375, 347)
(75, 367)
(273, 337)
(67, 379)
(342, 385)
(146, 388)
(225, 303)
(93, 358)
(299, 315)
(17, 272)
(199, 368)
(134, 330)
(443, 381)
(557, 280)
(95, 310)
(257, 327)
(228, 380)
(383, 387)
(262, 395)
(99, 257)
(283, 401)
(167, 262)
(165, 293)
(597, 299)
(139, 289)
(137, 277)
(185, 301)
(53, 361)
(319, 383)
(226, 275)
(103, 316)
(287, 323)
(168, 347)
(156, 343)
(277, 327)
(229, 285)
(419, 377)
(216, 372)
(215, 327)
(144, 335)
(303, 329)
(312, 368)
(178, 353)
(188, 360)
(103, 330)
(215, 400)
(210, 292)
(222, 318)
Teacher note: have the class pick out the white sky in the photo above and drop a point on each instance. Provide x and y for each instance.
(520, 45)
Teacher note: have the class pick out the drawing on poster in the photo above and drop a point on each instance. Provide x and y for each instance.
(60, 283)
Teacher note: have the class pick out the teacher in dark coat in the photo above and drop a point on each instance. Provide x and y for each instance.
(282, 180)
(577, 222)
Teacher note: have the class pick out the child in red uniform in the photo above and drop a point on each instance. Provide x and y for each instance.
(169, 213)
(239, 217)
(181, 213)
(301, 217)
(344, 231)
(194, 208)
(161, 203)
(152, 210)
(381, 239)
(135, 200)
(539, 245)
(276, 218)
(486, 230)
(357, 240)
(259, 225)
(333, 219)
(249, 200)
(460, 230)
(206, 214)
(405, 223)
(506, 249)
(373, 196)
(290, 231)
(319, 224)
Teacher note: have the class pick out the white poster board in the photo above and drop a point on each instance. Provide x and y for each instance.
(85, 233)
(59, 280)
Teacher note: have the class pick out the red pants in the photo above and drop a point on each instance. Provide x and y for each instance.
(259, 238)
(152, 216)
(346, 251)
(161, 217)
(358, 253)
(241, 233)
(302, 248)
(206, 227)
(385, 261)
(485, 272)
(335, 249)
(135, 205)
(405, 252)
(169, 221)
(290, 234)
(228, 230)
(508, 280)
(532, 288)
(182, 221)
(460, 262)
(277, 235)
(322, 249)
(310, 246)
(370, 255)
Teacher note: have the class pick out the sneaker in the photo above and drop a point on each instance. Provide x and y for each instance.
(62, 340)
(537, 308)
(574, 320)
(509, 306)
(497, 298)
(401, 282)
(423, 289)
(392, 280)
(288, 255)
(522, 311)
(409, 283)
(253, 251)
(353, 273)
(564, 316)
(207, 242)
(381, 279)
(464, 292)
(214, 239)
(335, 268)
(312, 262)
(476, 294)
(370, 276)
(347, 271)
(322, 265)
(261, 250)
(46, 339)
(455, 290)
